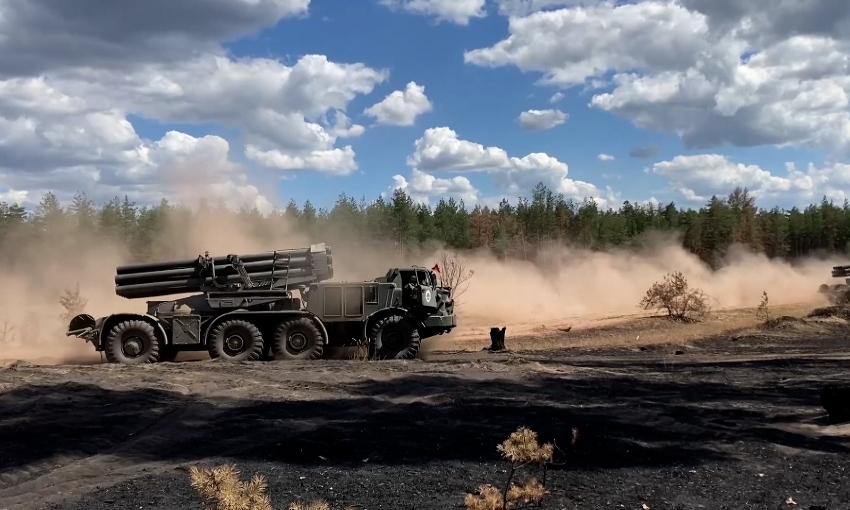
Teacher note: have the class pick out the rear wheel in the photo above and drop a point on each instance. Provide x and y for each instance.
(132, 342)
(394, 337)
(298, 339)
(236, 340)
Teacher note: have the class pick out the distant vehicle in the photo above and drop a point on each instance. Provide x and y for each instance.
(838, 294)
(246, 310)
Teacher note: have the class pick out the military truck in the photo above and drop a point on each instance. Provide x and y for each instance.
(838, 294)
(245, 309)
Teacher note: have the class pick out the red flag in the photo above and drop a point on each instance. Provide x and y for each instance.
(436, 268)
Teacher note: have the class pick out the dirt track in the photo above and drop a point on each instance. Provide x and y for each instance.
(731, 422)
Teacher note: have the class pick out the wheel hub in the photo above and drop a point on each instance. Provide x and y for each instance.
(298, 341)
(235, 342)
(132, 346)
(394, 340)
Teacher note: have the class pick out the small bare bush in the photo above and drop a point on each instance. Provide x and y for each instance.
(763, 310)
(520, 449)
(73, 303)
(674, 296)
(222, 489)
(7, 335)
(453, 271)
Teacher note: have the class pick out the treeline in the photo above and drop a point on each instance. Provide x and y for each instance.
(508, 230)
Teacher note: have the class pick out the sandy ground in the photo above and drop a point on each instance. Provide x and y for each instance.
(718, 415)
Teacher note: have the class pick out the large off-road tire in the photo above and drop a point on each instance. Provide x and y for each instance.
(235, 340)
(132, 342)
(394, 337)
(298, 339)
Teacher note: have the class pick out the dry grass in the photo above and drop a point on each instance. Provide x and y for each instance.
(313, 505)
(222, 489)
(520, 449)
(763, 310)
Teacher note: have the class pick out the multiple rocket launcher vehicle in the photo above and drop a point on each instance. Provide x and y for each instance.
(838, 294)
(243, 309)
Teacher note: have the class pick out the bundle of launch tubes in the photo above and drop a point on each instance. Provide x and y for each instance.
(205, 273)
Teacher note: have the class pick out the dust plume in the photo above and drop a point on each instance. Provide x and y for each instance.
(565, 285)
(37, 270)
(570, 286)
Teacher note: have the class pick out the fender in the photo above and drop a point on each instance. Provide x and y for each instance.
(248, 313)
(106, 323)
(375, 315)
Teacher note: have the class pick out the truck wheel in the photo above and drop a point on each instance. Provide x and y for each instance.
(394, 337)
(132, 343)
(236, 340)
(298, 339)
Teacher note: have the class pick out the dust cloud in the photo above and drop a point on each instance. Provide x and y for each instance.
(36, 273)
(572, 286)
(563, 284)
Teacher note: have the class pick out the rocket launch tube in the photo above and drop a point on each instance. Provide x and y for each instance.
(163, 287)
(220, 270)
(193, 263)
(168, 288)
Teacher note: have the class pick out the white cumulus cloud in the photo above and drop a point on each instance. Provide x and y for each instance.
(738, 73)
(423, 186)
(700, 176)
(538, 120)
(605, 157)
(401, 107)
(66, 97)
(459, 12)
(441, 150)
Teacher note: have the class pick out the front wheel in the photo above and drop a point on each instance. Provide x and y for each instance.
(394, 337)
(132, 343)
(236, 340)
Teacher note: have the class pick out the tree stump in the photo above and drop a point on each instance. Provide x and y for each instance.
(497, 339)
(835, 399)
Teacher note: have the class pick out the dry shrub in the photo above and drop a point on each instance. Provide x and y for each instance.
(7, 334)
(520, 449)
(763, 310)
(674, 296)
(73, 303)
(222, 489)
(453, 271)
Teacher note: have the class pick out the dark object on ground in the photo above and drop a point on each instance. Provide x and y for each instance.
(842, 312)
(497, 339)
(247, 310)
(835, 399)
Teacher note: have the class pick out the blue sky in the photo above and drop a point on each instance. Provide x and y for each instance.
(480, 99)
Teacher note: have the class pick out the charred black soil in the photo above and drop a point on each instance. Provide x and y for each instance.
(730, 422)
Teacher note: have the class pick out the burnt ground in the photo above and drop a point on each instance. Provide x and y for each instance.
(730, 422)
